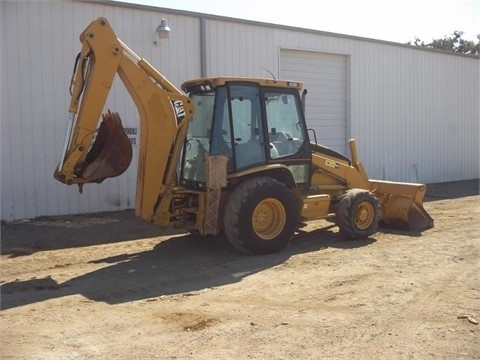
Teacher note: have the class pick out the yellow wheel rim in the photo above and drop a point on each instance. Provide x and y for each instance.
(364, 215)
(269, 218)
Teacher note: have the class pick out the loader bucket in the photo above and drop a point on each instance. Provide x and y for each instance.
(402, 205)
(110, 154)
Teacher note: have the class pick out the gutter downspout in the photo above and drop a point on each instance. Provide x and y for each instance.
(203, 45)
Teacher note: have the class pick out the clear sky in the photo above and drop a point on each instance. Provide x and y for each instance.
(391, 20)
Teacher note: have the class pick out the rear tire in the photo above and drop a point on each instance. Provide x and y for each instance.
(358, 214)
(261, 216)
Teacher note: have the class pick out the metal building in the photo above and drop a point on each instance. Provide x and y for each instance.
(414, 112)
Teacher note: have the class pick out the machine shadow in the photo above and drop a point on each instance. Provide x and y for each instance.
(177, 266)
(74, 231)
(452, 190)
(25, 238)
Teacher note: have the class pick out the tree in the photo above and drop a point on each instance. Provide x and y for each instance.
(455, 43)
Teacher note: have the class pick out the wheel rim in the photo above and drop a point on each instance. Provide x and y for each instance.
(364, 215)
(268, 219)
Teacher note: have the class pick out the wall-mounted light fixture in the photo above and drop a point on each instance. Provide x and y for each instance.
(163, 31)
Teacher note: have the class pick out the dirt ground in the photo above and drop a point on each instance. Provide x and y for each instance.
(108, 286)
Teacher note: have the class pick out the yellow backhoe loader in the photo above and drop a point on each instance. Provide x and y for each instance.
(232, 157)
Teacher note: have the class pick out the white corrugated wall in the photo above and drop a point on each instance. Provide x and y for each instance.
(39, 45)
(415, 113)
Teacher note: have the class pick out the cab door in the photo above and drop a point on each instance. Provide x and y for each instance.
(286, 132)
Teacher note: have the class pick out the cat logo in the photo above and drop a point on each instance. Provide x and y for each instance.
(178, 109)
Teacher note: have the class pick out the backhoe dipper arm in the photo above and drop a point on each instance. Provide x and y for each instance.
(164, 117)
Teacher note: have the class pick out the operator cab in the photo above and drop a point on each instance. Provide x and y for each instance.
(254, 122)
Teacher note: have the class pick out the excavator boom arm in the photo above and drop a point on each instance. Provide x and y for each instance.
(164, 117)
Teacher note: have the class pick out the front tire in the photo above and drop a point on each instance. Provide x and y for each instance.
(261, 216)
(358, 214)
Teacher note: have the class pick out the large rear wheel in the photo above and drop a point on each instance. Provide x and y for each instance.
(261, 216)
(357, 214)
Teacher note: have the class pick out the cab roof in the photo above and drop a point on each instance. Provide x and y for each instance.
(209, 84)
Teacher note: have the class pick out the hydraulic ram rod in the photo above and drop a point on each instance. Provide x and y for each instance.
(68, 137)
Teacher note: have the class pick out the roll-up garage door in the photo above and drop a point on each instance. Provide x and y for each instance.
(324, 76)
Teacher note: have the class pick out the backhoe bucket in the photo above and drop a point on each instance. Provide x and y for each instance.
(402, 205)
(111, 153)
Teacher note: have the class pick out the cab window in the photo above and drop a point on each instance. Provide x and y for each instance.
(285, 133)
